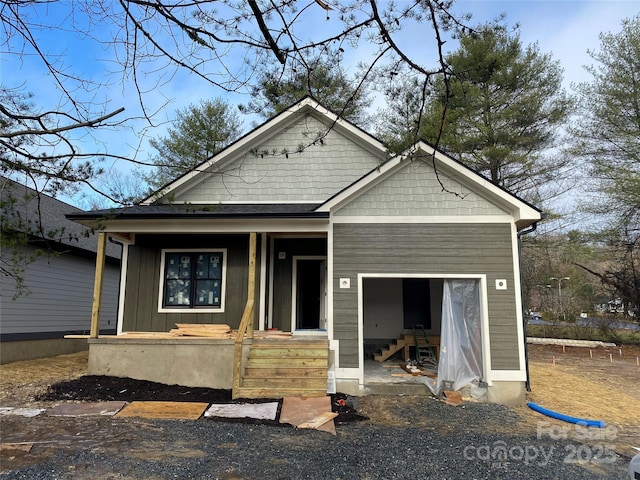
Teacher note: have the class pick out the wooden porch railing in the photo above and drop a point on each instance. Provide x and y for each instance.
(246, 324)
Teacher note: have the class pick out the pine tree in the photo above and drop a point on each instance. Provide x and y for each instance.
(198, 133)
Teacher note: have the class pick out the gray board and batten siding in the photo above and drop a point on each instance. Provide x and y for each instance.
(311, 175)
(426, 249)
(143, 281)
(59, 300)
(59, 280)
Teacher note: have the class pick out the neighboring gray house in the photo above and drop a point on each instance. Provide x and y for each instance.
(353, 249)
(58, 280)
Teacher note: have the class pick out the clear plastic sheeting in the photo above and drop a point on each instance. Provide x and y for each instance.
(460, 360)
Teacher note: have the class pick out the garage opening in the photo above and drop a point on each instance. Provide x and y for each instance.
(407, 322)
(393, 307)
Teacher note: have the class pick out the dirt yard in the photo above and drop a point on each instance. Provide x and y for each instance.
(599, 384)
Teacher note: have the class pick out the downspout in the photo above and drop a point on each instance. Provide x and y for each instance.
(526, 231)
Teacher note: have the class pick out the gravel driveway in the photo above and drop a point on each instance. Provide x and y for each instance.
(426, 439)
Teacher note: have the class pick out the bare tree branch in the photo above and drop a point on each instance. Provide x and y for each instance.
(265, 32)
(57, 130)
(223, 44)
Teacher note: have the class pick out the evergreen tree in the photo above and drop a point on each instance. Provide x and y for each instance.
(607, 133)
(607, 136)
(198, 133)
(398, 124)
(323, 79)
(498, 112)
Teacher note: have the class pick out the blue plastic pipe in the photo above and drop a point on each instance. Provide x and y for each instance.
(566, 418)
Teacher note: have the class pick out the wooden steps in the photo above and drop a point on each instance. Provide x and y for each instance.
(392, 348)
(278, 368)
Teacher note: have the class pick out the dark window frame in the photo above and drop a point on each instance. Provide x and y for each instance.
(194, 288)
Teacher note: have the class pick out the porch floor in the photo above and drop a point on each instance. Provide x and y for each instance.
(378, 379)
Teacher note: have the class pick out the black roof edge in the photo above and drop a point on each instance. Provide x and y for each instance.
(148, 216)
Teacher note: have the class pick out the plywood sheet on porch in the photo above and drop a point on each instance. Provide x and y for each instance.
(187, 331)
(164, 410)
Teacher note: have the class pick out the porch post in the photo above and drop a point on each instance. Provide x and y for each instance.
(251, 287)
(246, 323)
(97, 286)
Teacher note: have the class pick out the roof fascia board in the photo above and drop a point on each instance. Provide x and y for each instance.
(265, 131)
(192, 226)
(255, 202)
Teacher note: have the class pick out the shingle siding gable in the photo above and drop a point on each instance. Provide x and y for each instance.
(266, 174)
(415, 191)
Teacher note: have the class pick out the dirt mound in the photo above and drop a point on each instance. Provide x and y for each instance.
(97, 388)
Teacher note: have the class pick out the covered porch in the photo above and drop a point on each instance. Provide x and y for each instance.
(253, 358)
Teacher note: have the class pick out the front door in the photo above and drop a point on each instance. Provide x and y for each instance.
(309, 293)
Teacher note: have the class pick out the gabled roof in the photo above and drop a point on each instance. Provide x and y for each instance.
(267, 130)
(42, 217)
(524, 213)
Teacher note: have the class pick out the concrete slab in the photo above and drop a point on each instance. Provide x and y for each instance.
(303, 412)
(164, 410)
(86, 409)
(261, 411)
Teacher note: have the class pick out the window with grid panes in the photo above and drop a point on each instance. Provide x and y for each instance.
(192, 279)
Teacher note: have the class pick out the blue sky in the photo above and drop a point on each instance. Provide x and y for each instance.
(565, 29)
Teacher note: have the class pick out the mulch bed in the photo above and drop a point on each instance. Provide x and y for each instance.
(99, 388)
